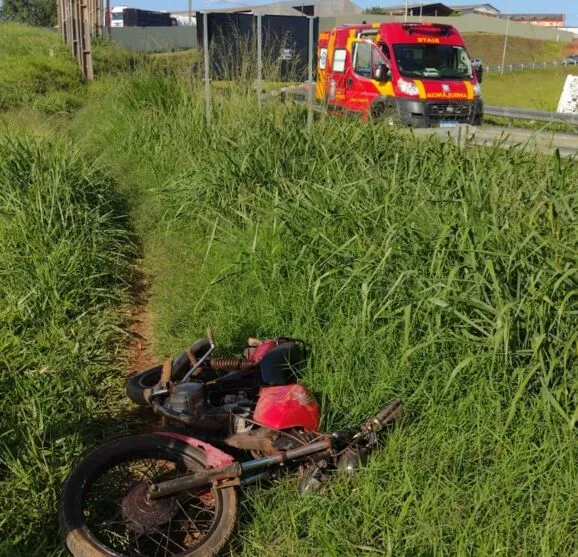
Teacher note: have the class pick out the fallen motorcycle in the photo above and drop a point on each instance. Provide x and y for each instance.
(167, 493)
(171, 493)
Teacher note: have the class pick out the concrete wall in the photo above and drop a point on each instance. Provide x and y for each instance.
(464, 24)
(155, 39)
(159, 39)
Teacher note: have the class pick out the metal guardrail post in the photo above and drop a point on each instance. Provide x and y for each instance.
(259, 59)
(206, 64)
(310, 77)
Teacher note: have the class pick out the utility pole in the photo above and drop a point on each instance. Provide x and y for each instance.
(405, 13)
(190, 12)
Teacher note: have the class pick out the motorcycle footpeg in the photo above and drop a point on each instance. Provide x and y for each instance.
(312, 480)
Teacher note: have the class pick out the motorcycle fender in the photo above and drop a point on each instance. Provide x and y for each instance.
(214, 458)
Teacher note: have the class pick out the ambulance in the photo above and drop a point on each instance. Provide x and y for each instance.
(419, 74)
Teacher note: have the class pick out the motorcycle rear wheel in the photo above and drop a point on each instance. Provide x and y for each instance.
(100, 519)
(139, 383)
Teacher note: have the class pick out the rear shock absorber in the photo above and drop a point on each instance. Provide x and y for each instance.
(232, 364)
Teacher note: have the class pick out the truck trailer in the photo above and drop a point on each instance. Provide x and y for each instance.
(419, 74)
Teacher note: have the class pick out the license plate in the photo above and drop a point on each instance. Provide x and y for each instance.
(448, 123)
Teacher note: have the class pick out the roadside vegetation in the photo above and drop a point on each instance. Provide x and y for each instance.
(65, 267)
(412, 269)
(38, 74)
(534, 89)
(489, 47)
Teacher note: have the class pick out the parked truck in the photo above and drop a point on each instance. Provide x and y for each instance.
(417, 73)
(123, 16)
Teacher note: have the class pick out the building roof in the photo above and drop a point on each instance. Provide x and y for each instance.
(320, 8)
(534, 17)
(441, 8)
(458, 7)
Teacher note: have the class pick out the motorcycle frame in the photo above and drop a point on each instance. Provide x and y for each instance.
(223, 471)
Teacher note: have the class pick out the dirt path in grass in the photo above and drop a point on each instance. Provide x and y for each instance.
(139, 352)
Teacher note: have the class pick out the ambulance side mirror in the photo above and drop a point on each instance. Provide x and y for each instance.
(382, 73)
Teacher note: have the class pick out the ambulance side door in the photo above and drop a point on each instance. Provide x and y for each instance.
(360, 81)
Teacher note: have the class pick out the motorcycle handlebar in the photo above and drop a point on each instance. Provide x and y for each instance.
(389, 414)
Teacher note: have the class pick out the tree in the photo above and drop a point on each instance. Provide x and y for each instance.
(376, 10)
(41, 13)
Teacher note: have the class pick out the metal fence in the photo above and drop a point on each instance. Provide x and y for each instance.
(277, 57)
(529, 66)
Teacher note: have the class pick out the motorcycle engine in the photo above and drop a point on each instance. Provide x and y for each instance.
(224, 412)
(188, 398)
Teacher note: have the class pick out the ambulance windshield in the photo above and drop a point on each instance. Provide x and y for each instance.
(433, 61)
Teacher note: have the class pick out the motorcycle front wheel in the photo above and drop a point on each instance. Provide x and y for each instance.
(104, 510)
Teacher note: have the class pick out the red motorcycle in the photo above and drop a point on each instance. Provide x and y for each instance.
(169, 493)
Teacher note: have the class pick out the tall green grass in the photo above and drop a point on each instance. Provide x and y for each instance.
(64, 270)
(38, 71)
(414, 269)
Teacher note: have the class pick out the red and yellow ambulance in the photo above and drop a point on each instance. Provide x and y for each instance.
(418, 73)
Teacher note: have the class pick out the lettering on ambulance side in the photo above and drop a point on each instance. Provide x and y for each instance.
(429, 40)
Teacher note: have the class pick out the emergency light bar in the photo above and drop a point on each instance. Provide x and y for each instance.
(443, 28)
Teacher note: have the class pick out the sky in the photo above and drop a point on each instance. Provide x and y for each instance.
(569, 7)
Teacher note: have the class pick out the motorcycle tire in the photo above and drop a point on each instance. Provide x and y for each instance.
(139, 383)
(76, 515)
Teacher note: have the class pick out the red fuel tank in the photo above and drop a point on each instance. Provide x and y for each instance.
(287, 406)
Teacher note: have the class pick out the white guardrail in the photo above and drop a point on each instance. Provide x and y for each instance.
(491, 69)
(536, 115)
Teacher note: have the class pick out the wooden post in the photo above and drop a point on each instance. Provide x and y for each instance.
(108, 22)
(99, 16)
(86, 53)
(59, 17)
(74, 25)
(69, 25)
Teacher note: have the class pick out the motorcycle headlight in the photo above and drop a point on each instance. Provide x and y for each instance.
(477, 90)
(408, 87)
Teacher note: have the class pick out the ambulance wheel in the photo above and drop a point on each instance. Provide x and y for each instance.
(384, 112)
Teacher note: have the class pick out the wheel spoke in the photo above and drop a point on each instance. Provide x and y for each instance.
(163, 535)
(116, 513)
